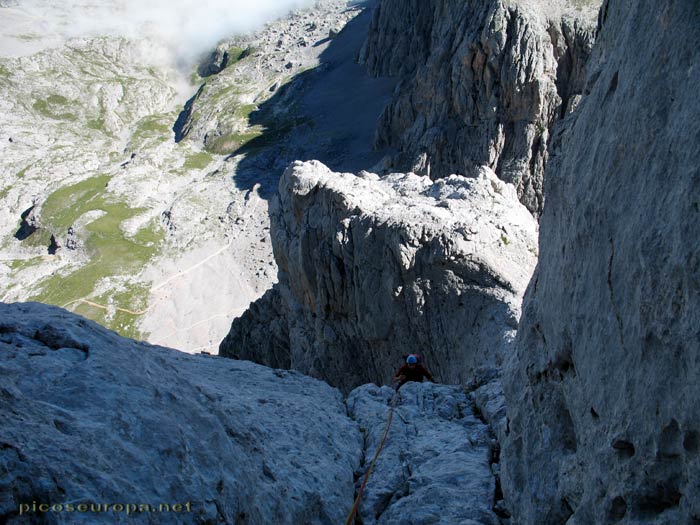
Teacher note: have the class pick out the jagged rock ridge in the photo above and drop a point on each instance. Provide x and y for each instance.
(373, 268)
(602, 397)
(483, 83)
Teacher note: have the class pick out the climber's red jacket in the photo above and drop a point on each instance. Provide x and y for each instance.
(416, 373)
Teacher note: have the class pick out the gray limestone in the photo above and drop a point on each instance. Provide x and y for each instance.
(435, 466)
(602, 393)
(372, 268)
(483, 83)
(88, 416)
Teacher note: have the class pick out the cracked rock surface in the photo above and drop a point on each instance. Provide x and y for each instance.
(88, 416)
(435, 466)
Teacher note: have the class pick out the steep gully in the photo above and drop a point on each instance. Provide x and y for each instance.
(316, 93)
(361, 285)
(321, 323)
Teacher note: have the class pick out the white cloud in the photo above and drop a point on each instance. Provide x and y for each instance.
(187, 27)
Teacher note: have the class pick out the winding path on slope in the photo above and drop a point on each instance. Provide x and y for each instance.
(165, 290)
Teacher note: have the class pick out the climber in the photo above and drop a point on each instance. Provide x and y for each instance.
(412, 371)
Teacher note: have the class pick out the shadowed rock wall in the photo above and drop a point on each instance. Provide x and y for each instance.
(602, 395)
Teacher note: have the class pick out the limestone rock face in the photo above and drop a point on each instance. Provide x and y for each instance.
(372, 268)
(88, 416)
(436, 463)
(483, 83)
(602, 393)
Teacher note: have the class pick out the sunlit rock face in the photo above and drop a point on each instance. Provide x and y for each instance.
(88, 416)
(373, 268)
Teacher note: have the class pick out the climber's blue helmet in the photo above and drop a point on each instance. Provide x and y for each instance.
(411, 360)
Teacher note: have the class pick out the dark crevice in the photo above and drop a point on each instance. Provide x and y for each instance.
(499, 507)
(613, 83)
(612, 88)
(183, 124)
(624, 448)
(670, 443)
(663, 496)
(618, 509)
(603, 14)
(565, 66)
(567, 509)
(567, 432)
(612, 294)
(26, 228)
(691, 442)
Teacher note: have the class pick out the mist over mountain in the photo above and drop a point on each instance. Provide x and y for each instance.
(187, 28)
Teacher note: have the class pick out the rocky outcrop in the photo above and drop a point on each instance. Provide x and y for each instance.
(602, 395)
(483, 83)
(261, 333)
(90, 417)
(436, 464)
(372, 268)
